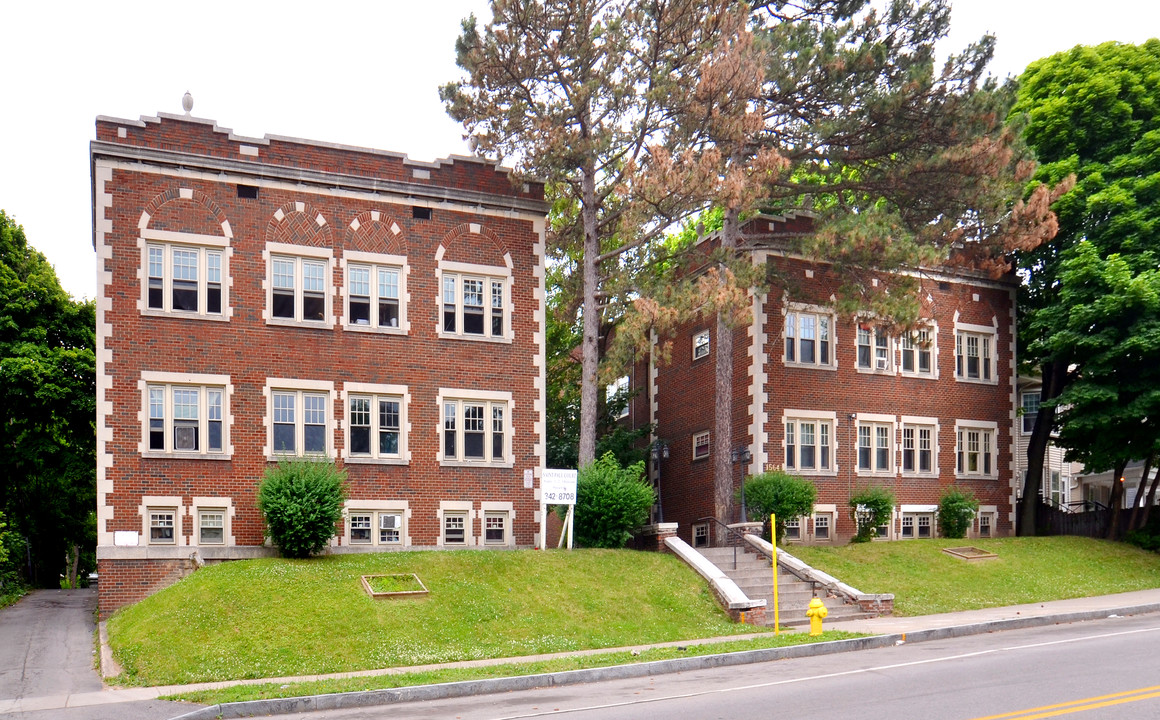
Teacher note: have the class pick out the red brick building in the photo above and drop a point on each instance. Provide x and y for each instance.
(268, 298)
(846, 403)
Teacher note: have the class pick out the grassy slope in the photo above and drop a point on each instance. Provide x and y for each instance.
(925, 580)
(269, 618)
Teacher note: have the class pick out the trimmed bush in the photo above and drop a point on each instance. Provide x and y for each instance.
(880, 502)
(778, 493)
(611, 502)
(302, 502)
(956, 511)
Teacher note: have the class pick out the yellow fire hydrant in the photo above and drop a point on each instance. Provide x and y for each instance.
(816, 612)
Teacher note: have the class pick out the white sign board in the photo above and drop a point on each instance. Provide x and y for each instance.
(558, 487)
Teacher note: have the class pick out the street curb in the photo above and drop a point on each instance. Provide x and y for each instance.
(371, 698)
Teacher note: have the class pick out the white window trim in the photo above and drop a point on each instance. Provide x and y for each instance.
(873, 420)
(916, 511)
(819, 415)
(706, 434)
(891, 349)
(983, 426)
(621, 384)
(508, 509)
(1022, 415)
(150, 503)
(298, 252)
(464, 508)
(376, 390)
(485, 273)
(931, 327)
(375, 260)
(196, 241)
(226, 505)
(698, 345)
(195, 380)
(917, 421)
(829, 511)
(992, 513)
(991, 331)
(299, 386)
(462, 395)
(375, 508)
(697, 528)
(798, 309)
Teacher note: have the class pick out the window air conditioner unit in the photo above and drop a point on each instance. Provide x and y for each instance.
(388, 522)
(185, 438)
(881, 363)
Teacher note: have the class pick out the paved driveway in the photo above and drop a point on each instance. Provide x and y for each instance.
(48, 644)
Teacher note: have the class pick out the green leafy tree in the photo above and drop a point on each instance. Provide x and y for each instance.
(780, 494)
(879, 502)
(611, 502)
(1091, 113)
(1107, 320)
(48, 405)
(956, 511)
(302, 503)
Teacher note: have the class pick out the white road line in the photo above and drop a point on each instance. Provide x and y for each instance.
(775, 683)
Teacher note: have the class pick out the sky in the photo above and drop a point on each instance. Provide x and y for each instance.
(356, 73)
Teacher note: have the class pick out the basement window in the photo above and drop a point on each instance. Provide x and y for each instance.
(249, 192)
(421, 213)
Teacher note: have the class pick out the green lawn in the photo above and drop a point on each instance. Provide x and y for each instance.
(925, 580)
(270, 618)
(239, 693)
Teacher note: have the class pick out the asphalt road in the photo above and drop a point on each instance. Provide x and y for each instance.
(47, 650)
(1100, 669)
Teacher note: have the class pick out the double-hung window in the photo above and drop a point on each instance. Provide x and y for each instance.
(476, 427)
(875, 446)
(368, 527)
(495, 527)
(162, 526)
(616, 396)
(701, 445)
(975, 450)
(918, 352)
(376, 421)
(375, 290)
(701, 345)
(300, 417)
(918, 448)
(808, 338)
(1030, 402)
(808, 444)
(454, 527)
(975, 354)
(211, 526)
(299, 284)
(184, 418)
(185, 279)
(475, 301)
(873, 348)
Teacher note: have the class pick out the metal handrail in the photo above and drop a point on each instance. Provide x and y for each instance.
(740, 537)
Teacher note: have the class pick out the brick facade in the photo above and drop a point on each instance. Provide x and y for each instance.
(259, 224)
(903, 408)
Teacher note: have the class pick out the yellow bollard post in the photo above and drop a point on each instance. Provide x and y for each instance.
(776, 603)
(816, 612)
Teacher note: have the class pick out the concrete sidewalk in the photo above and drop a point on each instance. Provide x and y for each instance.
(885, 632)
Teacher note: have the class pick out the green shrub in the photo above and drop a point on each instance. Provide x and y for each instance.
(956, 510)
(302, 502)
(880, 502)
(1147, 537)
(611, 502)
(778, 493)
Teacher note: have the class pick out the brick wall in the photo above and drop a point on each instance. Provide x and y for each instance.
(124, 582)
(685, 398)
(185, 178)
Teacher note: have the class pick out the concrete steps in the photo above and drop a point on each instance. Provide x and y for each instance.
(754, 577)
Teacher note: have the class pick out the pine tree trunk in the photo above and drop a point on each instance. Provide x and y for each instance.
(1053, 375)
(75, 552)
(723, 394)
(590, 359)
